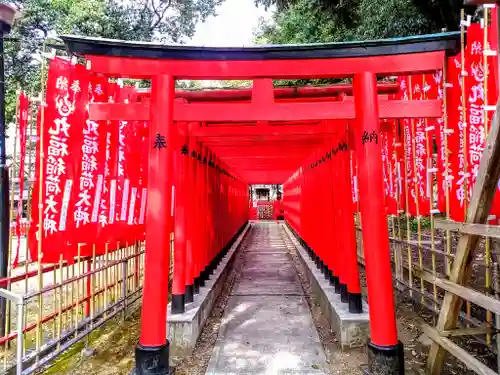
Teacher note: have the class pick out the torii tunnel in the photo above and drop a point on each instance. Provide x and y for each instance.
(212, 145)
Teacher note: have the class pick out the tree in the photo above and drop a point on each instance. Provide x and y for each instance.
(440, 14)
(303, 22)
(322, 21)
(343, 10)
(161, 20)
(308, 22)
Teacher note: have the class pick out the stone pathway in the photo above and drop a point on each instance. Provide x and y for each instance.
(267, 327)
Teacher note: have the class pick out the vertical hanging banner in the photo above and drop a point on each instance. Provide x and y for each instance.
(420, 192)
(409, 175)
(106, 232)
(493, 58)
(491, 87)
(22, 120)
(474, 90)
(437, 92)
(387, 142)
(61, 136)
(90, 185)
(120, 184)
(133, 139)
(142, 192)
(454, 140)
(433, 91)
(115, 159)
(398, 162)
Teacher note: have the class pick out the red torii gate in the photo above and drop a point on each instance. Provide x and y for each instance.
(252, 148)
(362, 61)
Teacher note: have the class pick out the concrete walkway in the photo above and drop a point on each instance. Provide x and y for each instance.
(267, 328)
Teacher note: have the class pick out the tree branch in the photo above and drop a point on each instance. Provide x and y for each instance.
(158, 14)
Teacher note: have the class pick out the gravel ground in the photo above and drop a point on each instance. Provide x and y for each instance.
(345, 363)
(198, 362)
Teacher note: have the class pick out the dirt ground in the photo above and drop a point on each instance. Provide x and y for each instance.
(114, 349)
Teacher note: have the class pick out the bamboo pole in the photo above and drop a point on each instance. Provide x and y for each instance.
(40, 206)
(416, 190)
(77, 273)
(408, 227)
(430, 177)
(11, 237)
(60, 303)
(32, 122)
(464, 127)
(487, 244)
(446, 170)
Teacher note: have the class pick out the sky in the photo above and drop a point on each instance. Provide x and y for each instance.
(232, 27)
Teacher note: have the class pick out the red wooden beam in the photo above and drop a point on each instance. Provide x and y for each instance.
(280, 130)
(318, 140)
(243, 112)
(279, 142)
(279, 93)
(220, 112)
(257, 156)
(285, 149)
(290, 69)
(253, 164)
(249, 123)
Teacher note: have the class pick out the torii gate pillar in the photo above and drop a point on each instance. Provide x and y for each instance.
(385, 352)
(152, 353)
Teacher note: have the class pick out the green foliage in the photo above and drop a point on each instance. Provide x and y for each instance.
(162, 20)
(306, 21)
(344, 10)
(425, 223)
(392, 18)
(443, 13)
(439, 13)
(323, 21)
(303, 22)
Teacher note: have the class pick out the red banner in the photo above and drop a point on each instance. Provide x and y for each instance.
(133, 148)
(388, 166)
(442, 168)
(491, 87)
(91, 179)
(421, 189)
(142, 191)
(455, 141)
(398, 168)
(22, 120)
(60, 131)
(474, 89)
(409, 172)
(120, 188)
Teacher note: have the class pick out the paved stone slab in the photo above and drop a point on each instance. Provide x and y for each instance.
(271, 250)
(267, 327)
(257, 287)
(254, 258)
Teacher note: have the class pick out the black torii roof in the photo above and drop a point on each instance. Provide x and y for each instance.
(449, 42)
